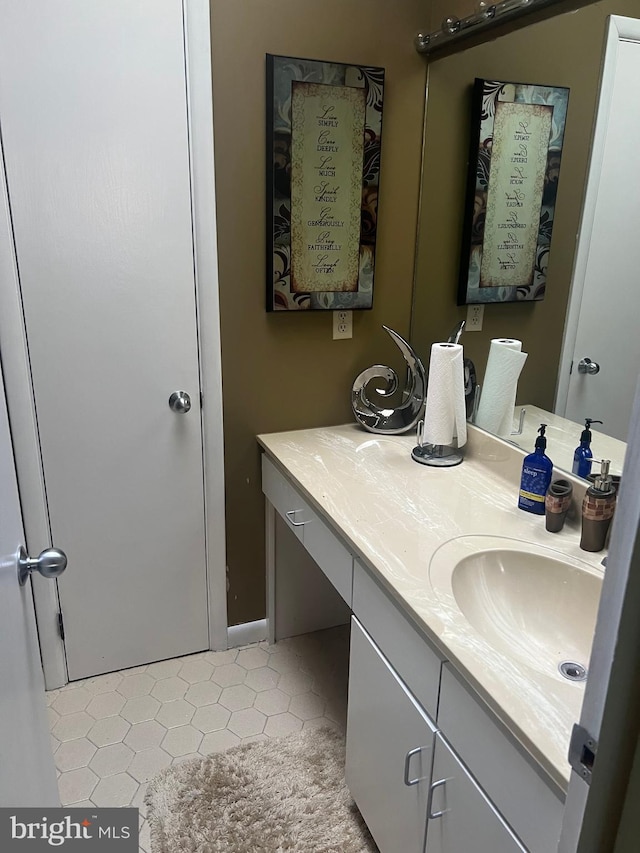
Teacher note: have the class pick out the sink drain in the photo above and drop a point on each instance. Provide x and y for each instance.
(573, 671)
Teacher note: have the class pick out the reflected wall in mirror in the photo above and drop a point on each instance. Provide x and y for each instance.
(562, 51)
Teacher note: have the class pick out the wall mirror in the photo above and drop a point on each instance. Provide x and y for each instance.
(565, 50)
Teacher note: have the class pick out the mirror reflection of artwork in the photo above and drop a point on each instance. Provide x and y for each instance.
(514, 164)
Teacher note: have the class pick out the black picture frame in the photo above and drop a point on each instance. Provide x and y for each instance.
(282, 75)
(528, 281)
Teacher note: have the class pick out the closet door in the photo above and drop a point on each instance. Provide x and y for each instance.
(93, 109)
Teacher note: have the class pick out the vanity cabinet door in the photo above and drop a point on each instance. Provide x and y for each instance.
(461, 818)
(389, 750)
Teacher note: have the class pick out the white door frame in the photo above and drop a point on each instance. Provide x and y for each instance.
(19, 389)
(619, 29)
(203, 204)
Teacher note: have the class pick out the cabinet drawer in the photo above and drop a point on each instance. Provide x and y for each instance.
(408, 651)
(319, 540)
(510, 778)
(283, 497)
(330, 554)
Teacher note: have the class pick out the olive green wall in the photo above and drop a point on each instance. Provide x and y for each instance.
(562, 51)
(283, 371)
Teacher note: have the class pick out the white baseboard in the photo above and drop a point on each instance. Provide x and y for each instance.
(247, 632)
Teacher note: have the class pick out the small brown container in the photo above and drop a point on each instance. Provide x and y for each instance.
(556, 504)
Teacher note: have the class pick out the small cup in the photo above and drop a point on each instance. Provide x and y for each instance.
(556, 503)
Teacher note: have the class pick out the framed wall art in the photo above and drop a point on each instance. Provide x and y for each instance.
(324, 129)
(514, 166)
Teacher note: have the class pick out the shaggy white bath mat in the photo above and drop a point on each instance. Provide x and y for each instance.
(285, 795)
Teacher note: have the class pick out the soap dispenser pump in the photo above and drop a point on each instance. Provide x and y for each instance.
(597, 510)
(537, 470)
(582, 458)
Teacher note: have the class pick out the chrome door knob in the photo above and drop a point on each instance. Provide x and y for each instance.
(180, 402)
(585, 365)
(51, 563)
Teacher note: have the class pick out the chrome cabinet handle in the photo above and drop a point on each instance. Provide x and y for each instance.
(585, 365)
(407, 762)
(293, 523)
(51, 563)
(431, 815)
(180, 402)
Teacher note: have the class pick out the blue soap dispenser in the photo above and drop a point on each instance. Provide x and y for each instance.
(583, 456)
(537, 470)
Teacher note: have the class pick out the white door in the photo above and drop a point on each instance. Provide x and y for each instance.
(605, 302)
(27, 772)
(93, 113)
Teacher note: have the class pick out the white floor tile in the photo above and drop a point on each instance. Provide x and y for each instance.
(114, 732)
(145, 735)
(108, 731)
(247, 722)
(110, 760)
(74, 754)
(203, 693)
(106, 705)
(116, 790)
(139, 709)
(177, 712)
(181, 741)
(148, 762)
(76, 785)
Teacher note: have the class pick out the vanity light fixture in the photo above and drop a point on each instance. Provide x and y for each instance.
(487, 15)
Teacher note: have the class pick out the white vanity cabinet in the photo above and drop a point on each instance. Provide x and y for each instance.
(389, 749)
(395, 757)
(428, 763)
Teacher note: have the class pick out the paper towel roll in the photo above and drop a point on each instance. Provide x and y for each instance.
(444, 416)
(498, 397)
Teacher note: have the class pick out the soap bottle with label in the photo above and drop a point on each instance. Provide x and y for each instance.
(597, 510)
(537, 470)
(583, 456)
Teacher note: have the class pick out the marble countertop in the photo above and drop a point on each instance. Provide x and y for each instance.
(394, 514)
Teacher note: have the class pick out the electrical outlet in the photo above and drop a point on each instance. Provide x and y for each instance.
(342, 325)
(475, 313)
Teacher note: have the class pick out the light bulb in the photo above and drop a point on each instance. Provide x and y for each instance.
(451, 25)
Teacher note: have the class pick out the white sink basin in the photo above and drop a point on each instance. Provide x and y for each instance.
(529, 603)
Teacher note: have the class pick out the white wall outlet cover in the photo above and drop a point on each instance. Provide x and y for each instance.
(342, 325)
(475, 313)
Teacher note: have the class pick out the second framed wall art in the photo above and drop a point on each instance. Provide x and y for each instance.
(324, 129)
(514, 165)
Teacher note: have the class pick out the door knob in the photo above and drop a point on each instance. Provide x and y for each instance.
(51, 564)
(585, 365)
(180, 402)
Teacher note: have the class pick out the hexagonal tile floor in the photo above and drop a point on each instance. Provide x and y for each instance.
(112, 733)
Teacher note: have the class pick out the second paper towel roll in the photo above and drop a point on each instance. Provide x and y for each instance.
(498, 397)
(444, 415)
